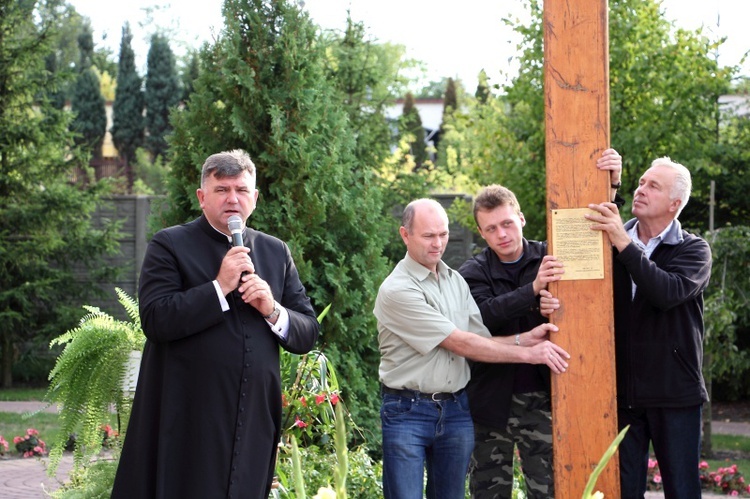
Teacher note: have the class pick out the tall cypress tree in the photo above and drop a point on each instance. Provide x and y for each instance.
(189, 74)
(482, 92)
(364, 74)
(45, 219)
(450, 105)
(411, 125)
(162, 94)
(127, 118)
(276, 102)
(87, 102)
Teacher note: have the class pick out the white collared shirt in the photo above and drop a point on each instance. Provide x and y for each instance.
(649, 247)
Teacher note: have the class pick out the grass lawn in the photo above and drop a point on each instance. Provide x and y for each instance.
(735, 444)
(15, 425)
(731, 443)
(22, 394)
(47, 424)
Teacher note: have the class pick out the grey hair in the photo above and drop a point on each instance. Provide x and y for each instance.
(227, 164)
(407, 219)
(683, 183)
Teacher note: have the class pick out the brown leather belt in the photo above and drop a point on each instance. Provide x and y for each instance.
(437, 396)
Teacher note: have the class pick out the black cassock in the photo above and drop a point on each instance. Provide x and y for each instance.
(207, 410)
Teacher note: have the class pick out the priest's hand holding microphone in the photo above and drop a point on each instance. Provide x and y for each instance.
(238, 272)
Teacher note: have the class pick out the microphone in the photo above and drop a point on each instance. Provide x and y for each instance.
(235, 227)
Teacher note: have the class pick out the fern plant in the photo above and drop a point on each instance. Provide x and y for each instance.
(86, 381)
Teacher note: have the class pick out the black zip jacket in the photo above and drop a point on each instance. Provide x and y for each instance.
(506, 310)
(659, 332)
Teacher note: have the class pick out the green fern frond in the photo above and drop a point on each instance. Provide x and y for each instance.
(130, 306)
(86, 381)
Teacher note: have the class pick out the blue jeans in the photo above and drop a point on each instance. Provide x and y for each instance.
(676, 436)
(419, 431)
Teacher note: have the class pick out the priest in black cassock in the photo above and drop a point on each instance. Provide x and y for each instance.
(207, 410)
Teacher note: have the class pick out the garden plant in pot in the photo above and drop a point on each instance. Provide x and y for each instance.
(92, 375)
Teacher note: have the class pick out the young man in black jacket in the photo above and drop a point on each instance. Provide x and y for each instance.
(510, 403)
(660, 272)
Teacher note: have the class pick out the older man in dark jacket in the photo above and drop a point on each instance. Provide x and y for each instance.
(660, 272)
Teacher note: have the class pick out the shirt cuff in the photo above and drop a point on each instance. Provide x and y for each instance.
(281, 328)
(222, 299)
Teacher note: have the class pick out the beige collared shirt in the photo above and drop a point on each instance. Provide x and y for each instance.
(416, 310)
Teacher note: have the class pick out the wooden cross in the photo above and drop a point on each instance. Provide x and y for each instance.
(576, 89)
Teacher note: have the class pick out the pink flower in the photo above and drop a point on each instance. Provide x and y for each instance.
(17, 439)
(651, 463)
(334, 398)
(303, 401)
(734, 493)
(319, 399)
(657, 478)
(703, 465)
(32, 431)
(299, 423)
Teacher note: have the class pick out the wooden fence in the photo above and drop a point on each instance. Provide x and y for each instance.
(134, 211)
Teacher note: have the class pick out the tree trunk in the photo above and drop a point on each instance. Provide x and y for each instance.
(707, 445)
(7, 360)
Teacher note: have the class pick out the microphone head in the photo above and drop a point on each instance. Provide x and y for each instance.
(235, 224)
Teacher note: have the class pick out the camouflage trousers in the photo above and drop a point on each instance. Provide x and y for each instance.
(530, 430)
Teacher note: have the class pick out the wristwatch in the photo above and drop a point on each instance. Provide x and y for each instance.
(273, 315)
(617, 185)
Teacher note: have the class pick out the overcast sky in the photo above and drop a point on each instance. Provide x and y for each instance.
(455, 39)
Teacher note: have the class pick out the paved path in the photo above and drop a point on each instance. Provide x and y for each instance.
(27, 478)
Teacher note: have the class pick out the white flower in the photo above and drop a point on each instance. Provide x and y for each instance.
(325, 493)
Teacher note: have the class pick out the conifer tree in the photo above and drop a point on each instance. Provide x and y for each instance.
(45, 219)
(411, 125)
(365, 73)
(189, 74)
(162, 94)
(56, 96)
(87, 102)
(450, 106)
(482, 92)
(127, 111)
(450, 99)
(263, 88)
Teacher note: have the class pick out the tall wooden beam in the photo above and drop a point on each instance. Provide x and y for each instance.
(576, 88)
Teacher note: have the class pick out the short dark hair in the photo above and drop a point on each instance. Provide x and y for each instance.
(227, 164)
(492, 196)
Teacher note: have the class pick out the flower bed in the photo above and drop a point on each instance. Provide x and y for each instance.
(727, 480)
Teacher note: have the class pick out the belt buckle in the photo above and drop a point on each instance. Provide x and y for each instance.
(435, 399)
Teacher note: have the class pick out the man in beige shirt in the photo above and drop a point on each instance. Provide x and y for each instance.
(429, 327)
